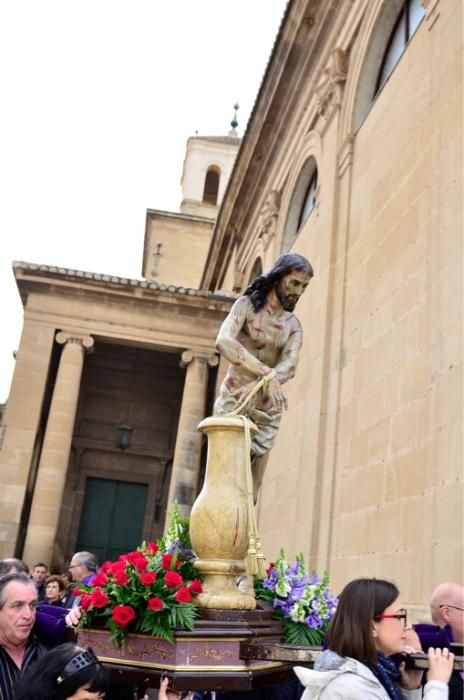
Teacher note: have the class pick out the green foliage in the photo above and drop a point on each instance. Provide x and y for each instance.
(150, 590)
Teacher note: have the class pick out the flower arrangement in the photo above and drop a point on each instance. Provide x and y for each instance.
(149, 590)
(302, 601)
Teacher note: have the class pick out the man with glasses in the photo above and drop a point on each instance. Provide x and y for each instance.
(447, 611)
(83, 567)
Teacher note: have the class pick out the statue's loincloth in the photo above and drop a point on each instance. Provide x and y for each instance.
(267, 420)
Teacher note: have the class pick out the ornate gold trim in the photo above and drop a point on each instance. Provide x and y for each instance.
(191, 667)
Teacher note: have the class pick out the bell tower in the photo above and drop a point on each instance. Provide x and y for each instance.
(207, 167)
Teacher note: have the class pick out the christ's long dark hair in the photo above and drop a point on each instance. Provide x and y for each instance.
(262, 285)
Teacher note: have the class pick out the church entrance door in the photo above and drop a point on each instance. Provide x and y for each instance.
(112, 518)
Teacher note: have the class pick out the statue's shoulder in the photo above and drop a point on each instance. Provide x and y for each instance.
(295, 325)
(242, 303)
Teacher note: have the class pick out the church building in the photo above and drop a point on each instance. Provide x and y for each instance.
(353, 158)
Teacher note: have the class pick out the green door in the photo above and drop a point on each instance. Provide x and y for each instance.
(112, 518)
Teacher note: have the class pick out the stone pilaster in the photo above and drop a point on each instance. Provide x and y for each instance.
(53, 465)
(186, 464)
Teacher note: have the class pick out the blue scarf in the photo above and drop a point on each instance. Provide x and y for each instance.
(388, 675)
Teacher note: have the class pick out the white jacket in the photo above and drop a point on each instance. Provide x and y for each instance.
(352, 680)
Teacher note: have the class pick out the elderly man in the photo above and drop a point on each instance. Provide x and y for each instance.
(261, 337)
(447, 610)
(19, 647)
(83, 567)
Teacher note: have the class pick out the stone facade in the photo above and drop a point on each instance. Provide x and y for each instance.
(366, 475)
(66, 405)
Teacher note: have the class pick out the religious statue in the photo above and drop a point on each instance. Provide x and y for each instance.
(261, 338)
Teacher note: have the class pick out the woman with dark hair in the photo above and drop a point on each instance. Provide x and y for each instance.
(368, 627)
(67, 672)
(55, 588)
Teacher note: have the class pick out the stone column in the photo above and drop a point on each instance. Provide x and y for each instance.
(53, 465)
(186, 464)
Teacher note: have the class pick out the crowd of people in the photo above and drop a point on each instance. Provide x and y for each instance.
(365, 655)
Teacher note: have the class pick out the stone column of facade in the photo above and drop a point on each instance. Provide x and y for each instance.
(53, 465)
(186, 464)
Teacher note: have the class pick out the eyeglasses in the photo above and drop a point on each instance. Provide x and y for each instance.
(455, 607)
(401, 615)
(73, 566)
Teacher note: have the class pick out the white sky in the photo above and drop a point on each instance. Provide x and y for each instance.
(98, 99)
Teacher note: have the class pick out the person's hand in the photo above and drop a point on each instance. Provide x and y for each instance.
(412, 640)
(276, 395)
(410, 677)
(440, 665)
(166, 693)
(73, 617)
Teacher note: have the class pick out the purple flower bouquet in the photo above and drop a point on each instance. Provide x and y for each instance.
(302, 601)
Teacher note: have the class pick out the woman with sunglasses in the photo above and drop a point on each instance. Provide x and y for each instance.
(368, 627)
(67, 672)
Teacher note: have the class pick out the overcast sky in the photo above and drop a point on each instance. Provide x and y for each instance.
(98, 100)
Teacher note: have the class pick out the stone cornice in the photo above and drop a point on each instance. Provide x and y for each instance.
(31, 275)
(301, 45)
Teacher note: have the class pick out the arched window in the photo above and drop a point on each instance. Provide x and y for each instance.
(309, 200)
(302, 202)
(256, 270)
(406, 24)
(211, 189)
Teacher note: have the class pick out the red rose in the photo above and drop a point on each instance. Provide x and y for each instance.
(124, 558)
(140, 563)
(78, 591)
(152, 548)
(86, 602)
(173, 579)
(106, 566)
(121, 577)
(118, 566)
(148, 577)
(195, 586)
(132, 556)
(99, 598)
(100, 579)
(123, 614)
(155, 604)
(183, 595)
(166, 560)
